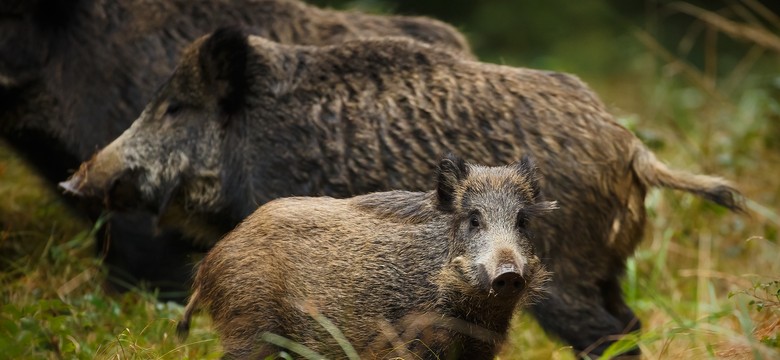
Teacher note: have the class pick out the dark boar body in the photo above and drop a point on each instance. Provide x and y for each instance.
(244, 120)
(74, 75)
(415, 275)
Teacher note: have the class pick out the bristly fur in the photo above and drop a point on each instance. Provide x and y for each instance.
(406, 284)
(402, 206)
(654, 173)
(374, 114)
(75, 73)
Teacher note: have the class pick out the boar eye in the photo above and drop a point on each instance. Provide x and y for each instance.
(173, 108)
(522, 220)
(474, 221)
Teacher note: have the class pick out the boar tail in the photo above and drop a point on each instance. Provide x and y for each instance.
(183, 327)
(654, 173)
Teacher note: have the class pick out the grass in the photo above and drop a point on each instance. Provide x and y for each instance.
(704, 282)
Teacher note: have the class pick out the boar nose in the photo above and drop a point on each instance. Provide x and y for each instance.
(508, 280)
(96, 176)
(72, 185)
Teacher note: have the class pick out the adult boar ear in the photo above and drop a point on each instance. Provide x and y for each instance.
(223, 61)
(450, 172)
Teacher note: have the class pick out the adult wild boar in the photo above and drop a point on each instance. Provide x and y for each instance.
(243, 120)
(438, 274)
(74, 74)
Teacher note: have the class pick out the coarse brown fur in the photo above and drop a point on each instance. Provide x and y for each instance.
(130, 47)
(371, 115)
(398, 273)
(75, 73)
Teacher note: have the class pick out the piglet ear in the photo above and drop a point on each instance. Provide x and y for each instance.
(528, 170)
(223, 61)
(450, 172)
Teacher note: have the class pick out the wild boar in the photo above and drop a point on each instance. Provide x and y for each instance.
(74, 75)
(243, 120)
(440, 272)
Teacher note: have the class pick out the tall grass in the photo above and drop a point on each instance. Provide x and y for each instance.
(704, 282)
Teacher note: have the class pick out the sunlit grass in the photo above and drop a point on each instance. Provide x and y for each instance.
(52, 305)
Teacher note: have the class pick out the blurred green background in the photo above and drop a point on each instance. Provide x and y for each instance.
(589, 38)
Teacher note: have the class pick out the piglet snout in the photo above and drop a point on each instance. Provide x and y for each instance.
(508, 280)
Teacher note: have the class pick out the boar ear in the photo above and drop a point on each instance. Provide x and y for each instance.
(55, 14)
(450, 172)
(223, 61)
(528, 170)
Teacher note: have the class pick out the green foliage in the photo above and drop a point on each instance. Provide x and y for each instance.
(53, 306)
(763, 294)
(764, 297)
(96, 325)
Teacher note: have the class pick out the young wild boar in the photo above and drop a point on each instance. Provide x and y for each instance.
(74, 74)
(244, 120)
(447, 267)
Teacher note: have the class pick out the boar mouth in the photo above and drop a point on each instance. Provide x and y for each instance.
(125, 193)
(80, 185)
(121, 191)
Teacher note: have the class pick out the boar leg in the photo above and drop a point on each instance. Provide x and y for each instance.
(616, 305)
(579, 317)
(131, 251)
(135, 253)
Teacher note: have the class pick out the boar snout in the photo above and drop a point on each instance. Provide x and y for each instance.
(504, 270)
(97, 176)
(508, 280)
(72, 185)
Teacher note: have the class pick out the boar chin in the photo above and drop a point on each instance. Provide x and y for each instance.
(125, 194)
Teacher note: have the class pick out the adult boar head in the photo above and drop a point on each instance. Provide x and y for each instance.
(178, 144)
